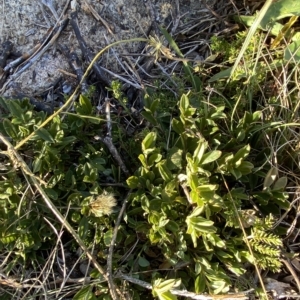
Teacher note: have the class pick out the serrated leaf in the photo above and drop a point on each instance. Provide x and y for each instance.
(270, 178)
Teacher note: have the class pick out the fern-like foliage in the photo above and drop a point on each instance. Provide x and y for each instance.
(266, 247)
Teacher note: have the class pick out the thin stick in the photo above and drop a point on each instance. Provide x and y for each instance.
(238, 296)
(137, 86)
(98, 17)
(114, 152)
(108, 119)
(292, 271)
(75, 64)
(87, 53)
(111, 283)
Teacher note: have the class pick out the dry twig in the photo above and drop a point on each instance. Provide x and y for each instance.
(111, 248)
(187, 294)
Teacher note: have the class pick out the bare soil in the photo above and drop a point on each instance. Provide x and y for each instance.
(24, 23)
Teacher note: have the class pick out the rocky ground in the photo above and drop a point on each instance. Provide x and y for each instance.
(26, 22)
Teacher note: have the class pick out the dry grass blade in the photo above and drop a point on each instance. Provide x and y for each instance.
(250, 34)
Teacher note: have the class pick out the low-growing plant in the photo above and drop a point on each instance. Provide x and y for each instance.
(206, 187)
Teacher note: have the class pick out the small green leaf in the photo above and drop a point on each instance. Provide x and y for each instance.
(174, 158)
(149, 141)
(154, 158)
(221, 75)
(184, 103)
(86, 293)
(9, 238)
(245, 167)
(164, 171)
(198, 153)
(143, 262)
(133, 182)
(200, 283)
(270, 178)
(240, 155)
(257, 116)
(149, 117)
(210, 157)
(161, 286)
(45, 135)
(15, 108)
(154, 105)
(108, 237)
(167, 296)
(236, 173)
(85, 105)
(51, 193)
(177, 126)
(280, 184)
(10, 129)
(172, 226)
(142, 159)
(83, 227)
(36, 165)
(67, 140)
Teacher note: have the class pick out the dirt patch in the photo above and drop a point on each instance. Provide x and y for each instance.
(26, 22)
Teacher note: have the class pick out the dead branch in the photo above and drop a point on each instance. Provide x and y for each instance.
(75, 64)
